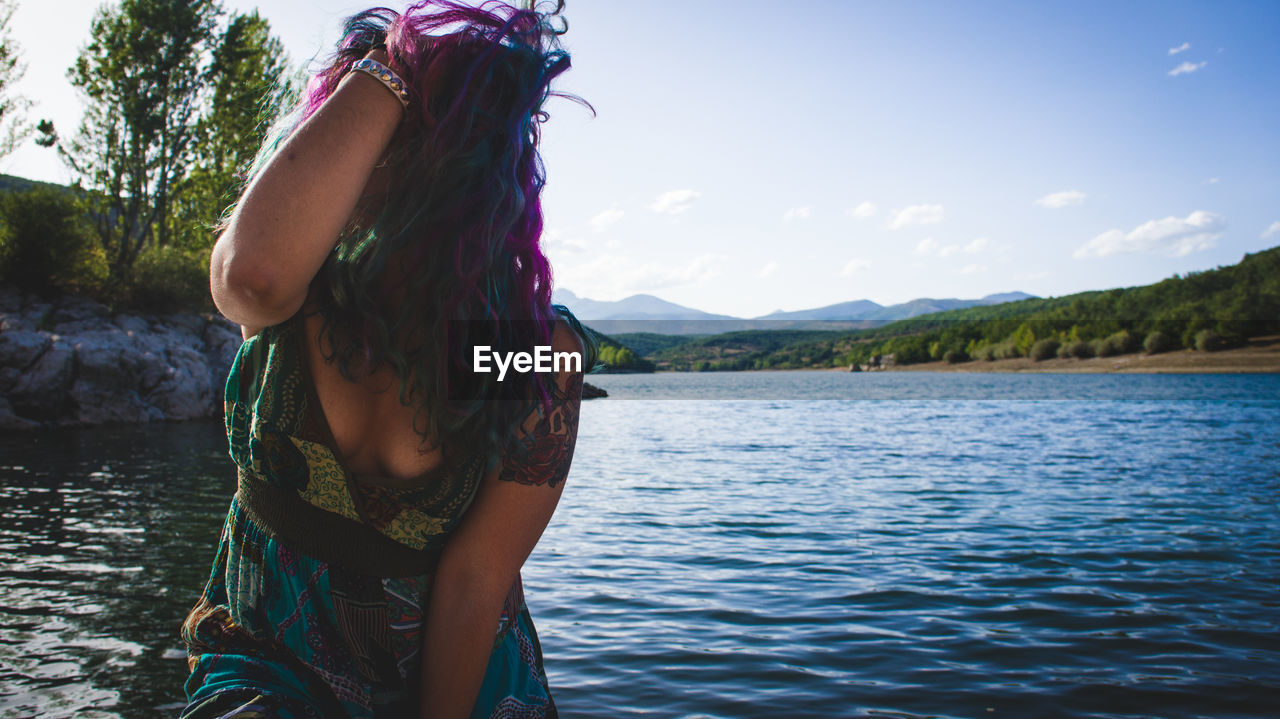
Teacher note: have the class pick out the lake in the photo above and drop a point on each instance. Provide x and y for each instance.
(795, 544)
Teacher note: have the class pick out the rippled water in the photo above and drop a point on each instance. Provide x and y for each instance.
(772, 557)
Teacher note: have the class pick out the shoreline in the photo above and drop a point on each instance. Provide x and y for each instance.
(1260, 355)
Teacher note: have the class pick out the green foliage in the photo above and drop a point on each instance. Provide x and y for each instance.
(648, 343)
(1080, 349)
(755, 349)
(172, 110)
(1023, 339)
(1044, 349)
(955, 356)
(618, 357)
(247, 75)
(1209, 341)
(46, 244)
(1157, 342)
(166, 278)
(1115, 344)
(139, 78)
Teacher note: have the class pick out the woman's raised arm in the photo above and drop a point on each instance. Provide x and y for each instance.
(293, 211)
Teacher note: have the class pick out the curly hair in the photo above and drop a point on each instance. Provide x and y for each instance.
(448, 256)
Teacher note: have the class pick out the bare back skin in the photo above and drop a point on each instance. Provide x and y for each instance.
(372, 429)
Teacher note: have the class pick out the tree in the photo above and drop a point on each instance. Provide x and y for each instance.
(246, 75)
(140, 77)
(14, 128)
(174, 112)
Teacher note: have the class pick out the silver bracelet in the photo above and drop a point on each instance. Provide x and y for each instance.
(386, 77)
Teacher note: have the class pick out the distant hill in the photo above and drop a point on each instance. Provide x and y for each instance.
(868, 310)
(647, 314)
(13, 183)
(1214, 309)
(855, 310)
(635, 307)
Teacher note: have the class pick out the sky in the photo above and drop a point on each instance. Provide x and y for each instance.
(747, 157)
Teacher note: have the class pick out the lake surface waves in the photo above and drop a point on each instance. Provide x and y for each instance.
(989, 546)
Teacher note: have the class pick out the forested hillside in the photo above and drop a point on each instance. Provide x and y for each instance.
(1209, 310)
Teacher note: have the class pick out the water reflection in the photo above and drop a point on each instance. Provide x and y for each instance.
(107, 539)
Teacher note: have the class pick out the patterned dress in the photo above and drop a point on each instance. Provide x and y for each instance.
(315, 604)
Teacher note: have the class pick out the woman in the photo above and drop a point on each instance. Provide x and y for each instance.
(388, 493)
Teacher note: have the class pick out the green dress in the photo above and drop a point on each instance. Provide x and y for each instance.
(315, 604)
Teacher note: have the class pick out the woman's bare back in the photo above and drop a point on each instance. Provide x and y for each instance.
(373, 431)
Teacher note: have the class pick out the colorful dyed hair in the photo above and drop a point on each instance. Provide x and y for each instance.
(449, 257)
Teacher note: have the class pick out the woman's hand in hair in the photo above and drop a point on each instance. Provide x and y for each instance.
(292, 213)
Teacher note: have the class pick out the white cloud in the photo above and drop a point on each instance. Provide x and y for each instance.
(1271, 231)
(855, 266)
(972, 269)
(1187, 67)
(1213, 181)
(863, 211)
(1172, 236)
(604, 220)
(769, 270)
(927, 246)
(796, 213)
(1054, 200)
(612, 277)
(554, 240)
(1181, 48)
(674, 202)
(916, 215)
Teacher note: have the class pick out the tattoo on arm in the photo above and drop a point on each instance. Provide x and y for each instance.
(542, 455)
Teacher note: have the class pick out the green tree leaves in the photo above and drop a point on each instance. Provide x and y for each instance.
(172, 110)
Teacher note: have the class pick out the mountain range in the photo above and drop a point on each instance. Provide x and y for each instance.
(647, 313)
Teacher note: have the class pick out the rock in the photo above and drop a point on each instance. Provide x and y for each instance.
(109, 370)
(9, 420)
(41, 392)
(78, 309)
(185, 323)
(590, 391)
(184, 393)
(8, 378)
(35, 314)
(19, 349)
(75, 315)
(131, 324)
(222, 341)
(70, 362)
(10, 301)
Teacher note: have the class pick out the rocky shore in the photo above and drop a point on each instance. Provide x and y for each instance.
(73, 362)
